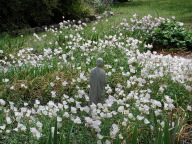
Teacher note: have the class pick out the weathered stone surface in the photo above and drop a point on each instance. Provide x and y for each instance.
(98, 81)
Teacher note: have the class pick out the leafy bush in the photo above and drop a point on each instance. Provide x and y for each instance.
(17, 14)
(74, 9)
(41, 12)
(170, 34)
(21, 13)
(102, 5)
(11, 16)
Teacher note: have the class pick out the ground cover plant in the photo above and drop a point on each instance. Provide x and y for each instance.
(44, 86)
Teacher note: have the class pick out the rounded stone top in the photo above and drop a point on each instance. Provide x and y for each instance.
(99, 62)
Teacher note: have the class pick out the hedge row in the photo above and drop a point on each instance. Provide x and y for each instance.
(18, 14)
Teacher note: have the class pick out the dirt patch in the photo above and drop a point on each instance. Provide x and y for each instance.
(184, 54)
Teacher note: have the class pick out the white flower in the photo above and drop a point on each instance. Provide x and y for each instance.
(35, 133)
(96, 124)
(25, 104)
(107, 142)
(99, 136)
(2, 102)
(52, 84)
(36, 36)
(37, 102)
(120, 136)
(77, 120)
(23, 86)
(88, 120)
(2, 127)
(52, 130)
(114, 131)
(15, 129)
(8, 131)
(161, 89)
(59, 125)
(189, 108)
(73, 110)
(8, 120)
(188, 88)
(162, 123)
(140, 117)
(39, 124)
(64, 83)
(121, 109)
(50, 104)
(59, 119)
(146, 121)
(169, 100)
(1, 51)
(130, 115)
(148, 46)
(157, 112)
(5, 80)
(53, 94)
(58, 78)
(180, 23)
(12, 87)
(109, 73)
(22, 127)
(66, 114)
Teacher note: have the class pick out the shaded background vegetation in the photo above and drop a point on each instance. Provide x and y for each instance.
(17, 14)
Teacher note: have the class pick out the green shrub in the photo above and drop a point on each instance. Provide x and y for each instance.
(18, 14)
(102, 5)
(170, 35)
(74, 9)
(11, 15)
(40, 11)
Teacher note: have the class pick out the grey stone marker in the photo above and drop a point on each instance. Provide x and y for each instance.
(98, 81)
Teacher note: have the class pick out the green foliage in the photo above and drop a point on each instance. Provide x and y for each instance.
(102, 5)
(135, 135)
(21, 13)
(166, 138)
(17, 14)
(74, 9)
(170, 35)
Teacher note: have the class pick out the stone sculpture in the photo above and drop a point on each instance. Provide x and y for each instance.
(98, 81)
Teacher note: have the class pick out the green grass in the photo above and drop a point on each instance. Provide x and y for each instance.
(164, 8)
(157, 8)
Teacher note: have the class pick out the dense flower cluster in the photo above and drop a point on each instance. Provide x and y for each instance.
(139, 83)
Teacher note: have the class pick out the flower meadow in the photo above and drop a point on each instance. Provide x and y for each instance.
(44, 89)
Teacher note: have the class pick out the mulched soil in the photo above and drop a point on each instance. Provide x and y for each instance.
(184, 54)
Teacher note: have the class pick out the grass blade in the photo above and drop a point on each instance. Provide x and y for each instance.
(55, 139)
(160, 137)
(50, 136)
(175, 131)
(166, 133)
(69, 135)
(135, 135)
